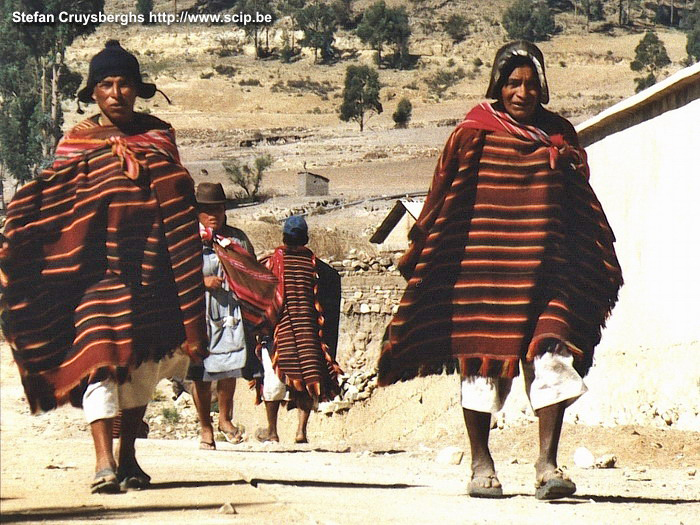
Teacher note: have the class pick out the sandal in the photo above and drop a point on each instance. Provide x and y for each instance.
(554, 485)
(207, 445)
(105, 482)
(136, 479)
(232, 437)
(485, 487)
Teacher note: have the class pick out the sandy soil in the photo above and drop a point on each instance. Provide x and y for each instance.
(375, 463)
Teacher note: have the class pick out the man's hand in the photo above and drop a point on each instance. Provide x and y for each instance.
(213, 282)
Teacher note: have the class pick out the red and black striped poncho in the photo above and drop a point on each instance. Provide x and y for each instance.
(511, 249)
(300, 356)
(105, 267)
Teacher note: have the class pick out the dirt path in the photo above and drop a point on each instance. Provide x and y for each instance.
(47, 460)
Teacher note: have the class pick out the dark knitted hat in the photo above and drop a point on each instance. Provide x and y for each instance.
(114, 60)
(516, 50)
(295, 226)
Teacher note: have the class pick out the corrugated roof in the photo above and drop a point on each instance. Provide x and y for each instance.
(671, 93)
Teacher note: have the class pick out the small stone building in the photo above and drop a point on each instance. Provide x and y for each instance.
(311, 184)
(392, 233)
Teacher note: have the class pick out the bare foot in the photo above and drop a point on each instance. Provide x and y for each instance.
(206, 436)
(264, 435)
(233, 436)
(301, 438)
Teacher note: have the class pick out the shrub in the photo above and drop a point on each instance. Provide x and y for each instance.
(227, 71)
(523, 21)
(171, 415)
(442, 80)
(248, 177)
(402, 115)
(650, 56)
(457, 26)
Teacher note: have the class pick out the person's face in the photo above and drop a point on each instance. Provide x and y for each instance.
(211, 215)
(521, 93)
(116, 97)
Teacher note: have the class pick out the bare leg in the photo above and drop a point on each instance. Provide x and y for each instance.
(225, 389)
(551, 483)
(131, 419)
(478, 428)
(304, 404)
(202, 400)
(271, 410)
(550, 423)
(102, 439)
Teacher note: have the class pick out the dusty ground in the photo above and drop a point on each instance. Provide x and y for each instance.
(375, 463)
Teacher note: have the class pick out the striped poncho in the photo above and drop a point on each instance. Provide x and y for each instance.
(105, 265)
(300, 357)
(511, 250)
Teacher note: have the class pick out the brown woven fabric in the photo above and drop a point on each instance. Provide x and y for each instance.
(105, 266)
(300, 356)
(508, 253)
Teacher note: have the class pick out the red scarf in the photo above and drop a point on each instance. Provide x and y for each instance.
(484, 117)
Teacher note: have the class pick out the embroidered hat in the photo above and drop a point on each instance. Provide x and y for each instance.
(210, 193)
(114, 60)
(505, 55)
(295, 226)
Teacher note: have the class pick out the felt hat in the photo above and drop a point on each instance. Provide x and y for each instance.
(210, 193)
(505, 56)
(114, 60)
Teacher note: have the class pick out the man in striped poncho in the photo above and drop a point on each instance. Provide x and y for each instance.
(299, 366)
(104, 291)
(511, 261)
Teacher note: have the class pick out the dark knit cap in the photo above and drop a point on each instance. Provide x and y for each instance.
(295, 226)
(114, 61)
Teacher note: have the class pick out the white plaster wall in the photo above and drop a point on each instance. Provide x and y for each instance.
(648, 180)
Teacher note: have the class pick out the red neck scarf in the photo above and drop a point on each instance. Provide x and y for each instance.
(484, 117)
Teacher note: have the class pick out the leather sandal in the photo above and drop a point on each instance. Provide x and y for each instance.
(554, 484)
(485, 487)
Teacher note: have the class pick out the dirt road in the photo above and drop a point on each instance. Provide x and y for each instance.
(47, 461)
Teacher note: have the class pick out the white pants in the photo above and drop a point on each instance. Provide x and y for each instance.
(104, 399)
(549, 379)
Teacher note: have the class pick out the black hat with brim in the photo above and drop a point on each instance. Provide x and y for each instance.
(114, 61)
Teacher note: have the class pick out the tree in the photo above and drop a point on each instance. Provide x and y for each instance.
(144, 7)
(34, 79)
(318, 23)
(457, 26)
(650, 56)
(523, 21)
(360, 95)
(384, 25)
(402, 115)
(248, 177)
(254, 30)
(693, 32)
(289, 9)
(344, 17)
